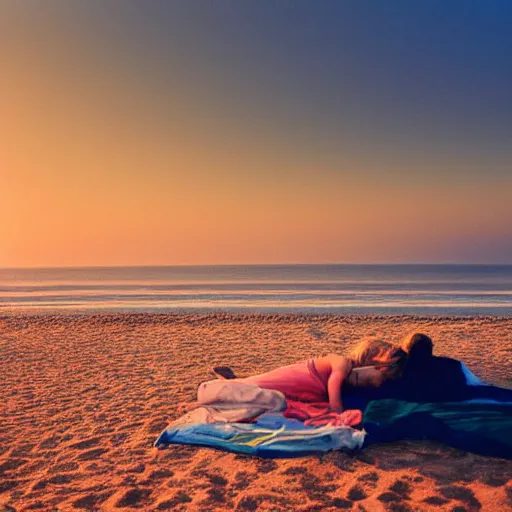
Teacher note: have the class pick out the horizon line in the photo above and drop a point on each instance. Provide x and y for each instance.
(196, 265)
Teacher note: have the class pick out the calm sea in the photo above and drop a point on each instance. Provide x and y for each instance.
(361, 289)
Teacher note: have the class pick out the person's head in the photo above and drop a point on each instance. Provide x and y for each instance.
(375, 361)
(419, 347)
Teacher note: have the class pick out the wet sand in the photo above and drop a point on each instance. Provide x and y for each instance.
(83, 398)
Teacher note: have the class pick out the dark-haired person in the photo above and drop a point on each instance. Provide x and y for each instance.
(438, 398)
(430, 378)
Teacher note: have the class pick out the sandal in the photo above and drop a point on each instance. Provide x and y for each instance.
(224, 372)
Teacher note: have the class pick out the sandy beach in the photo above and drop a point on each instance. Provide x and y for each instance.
(83, 398)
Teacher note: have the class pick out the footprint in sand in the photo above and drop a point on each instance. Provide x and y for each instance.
(243, 479)
(50, 442)
(65, 467)
(118, 439)
(247, 503)
(460, 493)
(7, 508)
(393, 498)
(8, 485)
(216, 496)
(155, 427)
(316, 333)
(87, 443)
(136, 468)
(257, 501)
(133, 498)
(312, 486)
(295, 470)
(217, 491)
(160, 474)
(356, 493)
(40, 485)
(35, 466)
(12, 463)
(394, 502)
(436, 501)
(92, 501)
(402, 488)
(181, 498)
(371, 478)
(63, 478)
(92, 454)
(267, 466)
(22, 450)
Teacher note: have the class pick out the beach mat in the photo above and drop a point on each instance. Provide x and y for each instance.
(271, 436)
(479, 426)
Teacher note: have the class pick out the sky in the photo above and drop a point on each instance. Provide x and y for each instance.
(186, 132)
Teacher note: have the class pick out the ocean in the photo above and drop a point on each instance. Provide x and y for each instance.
(313, 289)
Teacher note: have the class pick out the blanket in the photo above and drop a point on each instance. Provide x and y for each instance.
(272, 435)
(479, 426)
(240, 416)
(243, 400)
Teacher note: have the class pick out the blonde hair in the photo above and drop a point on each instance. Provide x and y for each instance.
(376, 352)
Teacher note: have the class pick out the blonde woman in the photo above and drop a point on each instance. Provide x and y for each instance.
(322, 379)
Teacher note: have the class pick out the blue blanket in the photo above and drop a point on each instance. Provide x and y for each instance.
(272, 436)
(478, 426)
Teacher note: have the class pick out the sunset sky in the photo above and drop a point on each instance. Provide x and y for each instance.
(183, 132)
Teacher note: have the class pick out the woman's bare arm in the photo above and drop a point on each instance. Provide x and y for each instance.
(340, 368)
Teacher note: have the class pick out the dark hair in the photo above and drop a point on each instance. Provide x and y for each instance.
(418, 346)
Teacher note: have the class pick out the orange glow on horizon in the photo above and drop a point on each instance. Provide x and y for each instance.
(102, 166)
